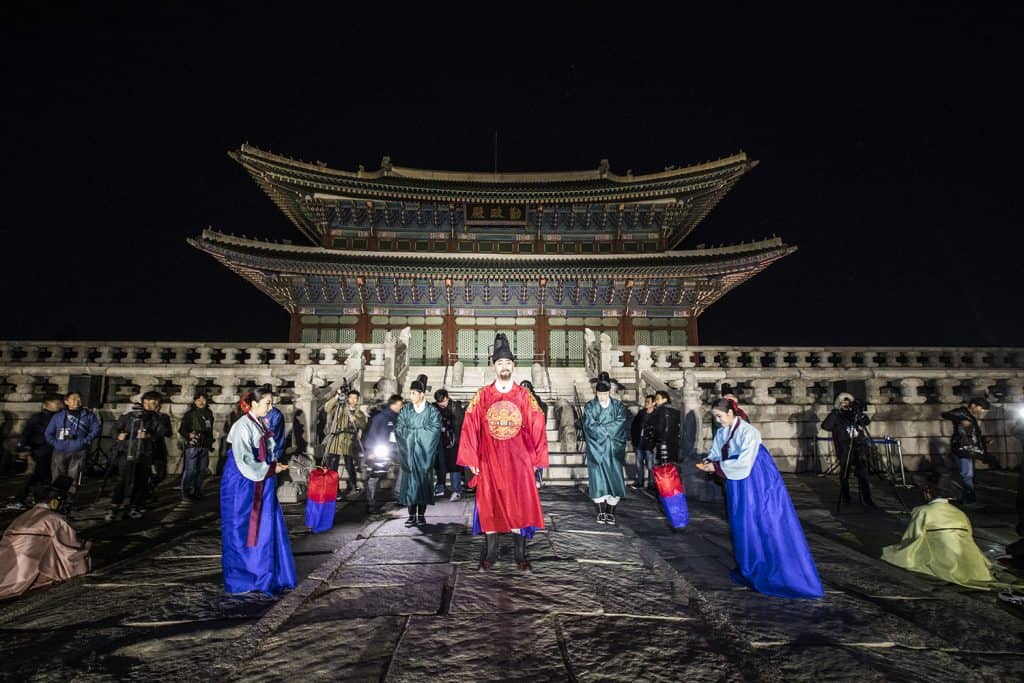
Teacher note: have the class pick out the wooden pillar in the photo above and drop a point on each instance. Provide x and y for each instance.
(691, 332)
(295, 329)
(364, 333)
(542, 337)
(449, 339)
(626, 337)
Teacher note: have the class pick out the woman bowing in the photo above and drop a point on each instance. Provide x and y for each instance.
(771, 552)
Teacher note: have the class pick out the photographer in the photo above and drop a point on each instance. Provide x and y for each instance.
(70, 433)
(847, 422)
(452, 414)
(341, 436)
(380, 445)
(966, 444)
(159, 470)
(197, 431)
(137, 432)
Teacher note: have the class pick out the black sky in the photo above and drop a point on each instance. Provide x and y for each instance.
(889, 143)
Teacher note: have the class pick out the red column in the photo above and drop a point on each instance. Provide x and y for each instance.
(691, 332)
(295, 329)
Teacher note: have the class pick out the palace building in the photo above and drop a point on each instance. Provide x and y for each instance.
(458, 256)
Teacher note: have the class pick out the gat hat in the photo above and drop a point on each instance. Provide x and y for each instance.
(420, 384)
(501, 349)
(602, 386)
(603, 376)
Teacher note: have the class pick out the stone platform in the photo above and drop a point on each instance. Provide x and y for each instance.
(636, 602)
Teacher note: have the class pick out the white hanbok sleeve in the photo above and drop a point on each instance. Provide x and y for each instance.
(745, 444)
(244, 440)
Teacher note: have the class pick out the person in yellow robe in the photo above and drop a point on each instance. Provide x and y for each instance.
(939, 542)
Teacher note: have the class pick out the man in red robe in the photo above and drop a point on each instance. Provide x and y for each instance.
(503, 439)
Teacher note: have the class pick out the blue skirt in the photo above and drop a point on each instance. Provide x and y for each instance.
(268, 566)
(771, 551)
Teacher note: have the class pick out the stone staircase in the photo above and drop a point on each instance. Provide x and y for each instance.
(567, 467)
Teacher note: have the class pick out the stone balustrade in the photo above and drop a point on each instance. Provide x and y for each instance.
(300, 373)
(787, 391)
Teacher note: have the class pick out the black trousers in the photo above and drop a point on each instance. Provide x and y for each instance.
(41, 473)
(132, 480)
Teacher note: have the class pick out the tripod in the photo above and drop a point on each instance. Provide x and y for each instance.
(845, 463)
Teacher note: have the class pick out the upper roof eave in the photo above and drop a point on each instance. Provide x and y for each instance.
(247, 155)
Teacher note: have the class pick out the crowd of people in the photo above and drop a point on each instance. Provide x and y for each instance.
(496, 446)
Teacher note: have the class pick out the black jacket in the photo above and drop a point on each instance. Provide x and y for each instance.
(131, 423)
(451, 430)
(636, 428)
(380, 430)
(199, 420)
(33, 434)
(664, 427)
(844, 425)
(967, 440)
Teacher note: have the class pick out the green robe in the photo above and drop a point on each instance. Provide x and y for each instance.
(939, 542)
(417, 435)
(607, 430)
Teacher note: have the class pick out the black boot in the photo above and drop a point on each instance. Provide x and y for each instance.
(844, 490)
(865, 492)
(412, 516)
(489, 551)
(519, 548)
(600, 512)
(609, 517)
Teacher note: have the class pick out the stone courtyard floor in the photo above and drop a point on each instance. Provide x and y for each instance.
(635, 602)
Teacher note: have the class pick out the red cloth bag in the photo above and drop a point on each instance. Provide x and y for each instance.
(666, 478)
(323, 485)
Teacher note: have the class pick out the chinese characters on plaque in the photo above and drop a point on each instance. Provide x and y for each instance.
(495, 213)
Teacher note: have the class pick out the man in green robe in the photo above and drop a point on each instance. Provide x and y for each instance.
(606, 425)
(417, 432)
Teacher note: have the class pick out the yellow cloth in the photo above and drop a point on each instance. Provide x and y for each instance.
(939, 542)
(39, 548)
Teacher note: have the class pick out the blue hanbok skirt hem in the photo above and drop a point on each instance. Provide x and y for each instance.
(772, 555)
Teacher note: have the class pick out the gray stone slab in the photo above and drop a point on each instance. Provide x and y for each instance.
(343, 650)
(635, 591)
(404, 550)
(624, 649)
(836, 619)
(377, 590)
(479, 647)
(436, 524)
(167, 571)
(552, 586)
(143, 605)
(594, 547)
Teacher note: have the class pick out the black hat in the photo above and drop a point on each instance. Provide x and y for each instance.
(602, 386)
(420, 384)
(502, 349)
(603, 376)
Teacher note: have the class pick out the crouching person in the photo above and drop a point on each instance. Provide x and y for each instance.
(40, 547)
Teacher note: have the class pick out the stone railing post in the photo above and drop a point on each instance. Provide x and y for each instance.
(228, 390)
(945, 388)
(304, 356)
(23, 385)
(761, 395)
(106, 356)
(329, 356)
(205, 355)
(662, 359)
(799, 394)
(253, 353)
(873, 388)
(230, 355)
(606, 352)
(188, 389)
(909, 391)
(278, 356)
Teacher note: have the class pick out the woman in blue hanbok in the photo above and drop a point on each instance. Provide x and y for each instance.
(255, 555)
(771, 552)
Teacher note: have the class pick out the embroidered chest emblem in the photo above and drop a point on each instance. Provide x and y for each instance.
(504, 420)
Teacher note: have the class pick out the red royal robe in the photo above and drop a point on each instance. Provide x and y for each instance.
(505, 437)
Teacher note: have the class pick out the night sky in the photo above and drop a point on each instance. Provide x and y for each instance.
(890, 143)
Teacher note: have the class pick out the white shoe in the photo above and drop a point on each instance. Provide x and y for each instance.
(455, 497)
(17, 505)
